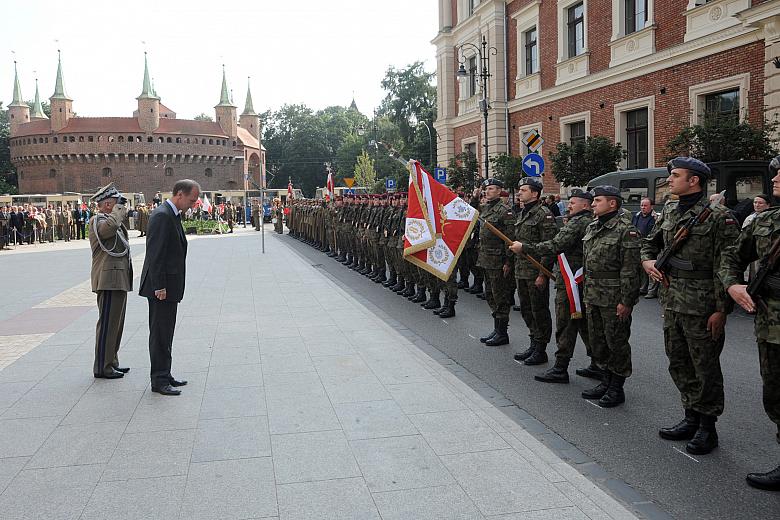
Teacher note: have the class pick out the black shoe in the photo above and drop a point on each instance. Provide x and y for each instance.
(124, 370)
(614, 395)
(706, 438)
(501, 337)
(381, 278)
(113, 374)
(400, 285)
(591, 371)
(651, 295)
(483, 339)
(408, 291)
(482, 296)
(434, 302)
(537, 358)
(599, 391)
(178, 383)
(557, 374)
(390, 282)
(166, 390)
(449, 311)
(516, 308)
(769, 481)
(419, 297)
(463, 284)
(475, 289)
(444, 305)
(683, 430)
(522, 356)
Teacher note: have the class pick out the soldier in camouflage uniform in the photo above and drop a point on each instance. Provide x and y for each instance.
(494, 258)
(694, 304)
(753, 244)
(384, 212)
(534, 224)
(391, 224)
(569, 242)
(611, 265)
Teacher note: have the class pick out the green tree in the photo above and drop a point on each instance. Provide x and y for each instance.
(507, 168)
(365, 174)
(410, 101)
(203, 117)
(8, 180)
(725, 139)
(576, 165)
(462, 172)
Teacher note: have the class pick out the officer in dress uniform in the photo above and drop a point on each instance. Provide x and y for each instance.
(693, 300)
(112, 278)
(611, 265)
(495, 259)
(753, 244)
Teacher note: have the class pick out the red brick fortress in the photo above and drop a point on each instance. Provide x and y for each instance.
(144, 153)
(636, 71)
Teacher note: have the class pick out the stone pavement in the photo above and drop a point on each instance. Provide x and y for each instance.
(302, 403)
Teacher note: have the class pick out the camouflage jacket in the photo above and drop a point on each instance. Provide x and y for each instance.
(611, 262)
(493, 252)
(535, 225)
(753, 244)
(697, 291)
(567, 241)
(384, 222)
(399, 232)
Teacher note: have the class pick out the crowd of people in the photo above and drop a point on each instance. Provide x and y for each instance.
(693, 255)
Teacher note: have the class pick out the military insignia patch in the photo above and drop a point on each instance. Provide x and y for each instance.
(731, 221)
(633, 234)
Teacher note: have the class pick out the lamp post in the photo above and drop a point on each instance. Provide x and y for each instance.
(482, 74)
(430, 142)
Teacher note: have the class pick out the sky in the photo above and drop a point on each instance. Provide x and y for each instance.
(313, 52)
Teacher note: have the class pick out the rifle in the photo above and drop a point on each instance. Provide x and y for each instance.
(662, 262)
(766, 266)
(397, 156)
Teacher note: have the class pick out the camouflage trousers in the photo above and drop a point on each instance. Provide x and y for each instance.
(535, 310)
(450, 287)
(499, 292)
(566, 329)
(694, 362)
(769, 358)
(609, 340)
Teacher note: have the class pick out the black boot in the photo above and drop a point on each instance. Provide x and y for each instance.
(434, 302)
(408, 290)
(390, 281)
(476, 287)
(519, 357)
(420, 296)
(366, 269)
(591, 371)
(482, 296)
(381, 277)
(683, 430)
(559, 373)
(769, 481)
(463, 284)
(490, 336)
(502, 335)
(599, 391)
(399, 286)
(615, 394)
(539, 355)
(444, 305)
(448, 311)
(706, 438)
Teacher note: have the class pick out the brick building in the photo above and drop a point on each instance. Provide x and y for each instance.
(144, 153)
(636, 71)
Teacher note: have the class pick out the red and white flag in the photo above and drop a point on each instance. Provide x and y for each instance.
(206, 204)
(448, 219)
(572, 288)
(290, 189)
(330, 185)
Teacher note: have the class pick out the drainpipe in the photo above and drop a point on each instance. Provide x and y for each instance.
(506, 80)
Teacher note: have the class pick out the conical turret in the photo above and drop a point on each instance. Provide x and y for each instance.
(61, 104)
(249, 120)
(148, 103)
(59, 83)
(37, 109)
(18, 111)
(225, 110)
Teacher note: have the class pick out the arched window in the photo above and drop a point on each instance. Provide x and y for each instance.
(110, 138)
(72, 139)
(100, 139)
(138, 139)
(91, 138)
(121, 139)
(208, 172)
(129, 138)
(211, 141)
(47, 139)
(187, 140)
(55, 139)
(160, 140)
(234, 144)
(169, 140)
(178, 139)
(52, 173)
(35, 141)
(150, 139)
(81, 138)
(168, 171)
(106, 172)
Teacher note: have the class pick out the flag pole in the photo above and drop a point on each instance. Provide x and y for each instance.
(395, 154)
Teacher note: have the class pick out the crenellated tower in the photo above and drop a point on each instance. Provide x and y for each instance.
(148, 103)
(61, 104)
(226, 110)
(18, 111)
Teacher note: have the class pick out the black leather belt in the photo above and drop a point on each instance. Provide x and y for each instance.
(690, 275)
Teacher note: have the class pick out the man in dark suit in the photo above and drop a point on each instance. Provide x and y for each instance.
(162, 280)
(80, 218)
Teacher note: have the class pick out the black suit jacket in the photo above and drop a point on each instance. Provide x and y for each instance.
(166, 254)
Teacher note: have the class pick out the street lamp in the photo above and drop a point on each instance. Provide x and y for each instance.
(482, 76)
(430, 142)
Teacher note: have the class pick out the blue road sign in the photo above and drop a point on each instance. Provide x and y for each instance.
(349, 191)
(533, 165)
(389, 184)
(440, 174)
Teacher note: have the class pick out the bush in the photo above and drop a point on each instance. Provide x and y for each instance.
(578, 164)
(724, 139)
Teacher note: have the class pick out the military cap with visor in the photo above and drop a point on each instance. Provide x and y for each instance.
(106, 192)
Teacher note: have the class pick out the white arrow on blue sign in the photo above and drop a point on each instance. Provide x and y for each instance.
(440, 174)
(533, 165)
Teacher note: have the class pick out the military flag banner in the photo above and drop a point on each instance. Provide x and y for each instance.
(206, 204)
(330, 185)
(571, 280)
(449, 217)
(418, 230)
(290, 189)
